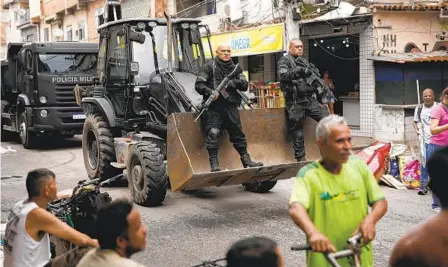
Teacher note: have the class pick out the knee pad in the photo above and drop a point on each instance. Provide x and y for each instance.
(214, 133)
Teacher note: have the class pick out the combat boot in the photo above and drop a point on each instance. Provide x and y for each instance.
(303, 158)
(214, 164)
(247, 162)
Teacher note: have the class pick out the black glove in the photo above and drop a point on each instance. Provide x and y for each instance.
(233, 84)
(308, 72)
(302, 71)
(208, 92)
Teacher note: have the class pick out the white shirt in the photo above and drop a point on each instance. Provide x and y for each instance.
(20, 249)
(425, 121)
(106, 258)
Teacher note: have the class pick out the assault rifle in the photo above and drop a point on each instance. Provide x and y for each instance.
(217, 91)
(245, 99)
(323, 91)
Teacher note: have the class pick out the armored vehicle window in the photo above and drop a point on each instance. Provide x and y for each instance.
(101, 58)
(64, 63)
(117, 59)
(143, 54)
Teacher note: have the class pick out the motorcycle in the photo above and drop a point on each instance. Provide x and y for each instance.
(79, 210)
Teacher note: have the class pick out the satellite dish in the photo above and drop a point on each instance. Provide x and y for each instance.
(22, 12)
(57, 32)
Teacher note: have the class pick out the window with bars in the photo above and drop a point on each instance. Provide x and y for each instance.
(98, 12)
(69, 34)
(46, 34)
(82, 31)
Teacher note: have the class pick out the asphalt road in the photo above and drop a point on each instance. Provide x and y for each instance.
(189, 229)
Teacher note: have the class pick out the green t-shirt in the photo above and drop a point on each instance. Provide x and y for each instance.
(337, 204)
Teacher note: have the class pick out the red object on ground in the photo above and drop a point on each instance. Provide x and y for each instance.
(376, 156)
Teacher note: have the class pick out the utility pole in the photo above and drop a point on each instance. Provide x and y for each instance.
(292, 26)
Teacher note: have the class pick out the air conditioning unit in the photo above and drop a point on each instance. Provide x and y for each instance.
(225, 24)
(443, 14)
(229, 9)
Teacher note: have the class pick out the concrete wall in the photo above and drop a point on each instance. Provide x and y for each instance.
(35, 8)
(405, 27)
(389, 124)
(30, 33)
(93, 10)
(12, 33)
(73, 21)
(394, 124)
(4, 19)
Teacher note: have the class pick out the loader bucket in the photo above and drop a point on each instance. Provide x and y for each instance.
(267, 139)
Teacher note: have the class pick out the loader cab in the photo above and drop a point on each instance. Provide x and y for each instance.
(134, 56)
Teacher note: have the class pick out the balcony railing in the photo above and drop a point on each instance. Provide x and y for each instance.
(25, 19)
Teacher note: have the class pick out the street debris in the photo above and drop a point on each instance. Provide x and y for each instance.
(6, 150)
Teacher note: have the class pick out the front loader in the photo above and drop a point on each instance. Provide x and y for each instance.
(140, 116)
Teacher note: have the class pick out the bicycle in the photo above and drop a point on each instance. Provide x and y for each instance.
(353, 250)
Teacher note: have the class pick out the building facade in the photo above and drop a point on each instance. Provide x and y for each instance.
(370, 49)
(19, 27)
(401, 51)
(409, 56)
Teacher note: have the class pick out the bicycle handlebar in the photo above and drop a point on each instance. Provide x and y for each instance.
(210, 263)
(301, 247)
(354, 244)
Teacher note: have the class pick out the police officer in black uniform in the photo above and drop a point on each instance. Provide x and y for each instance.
(300, 97)
(223, 112)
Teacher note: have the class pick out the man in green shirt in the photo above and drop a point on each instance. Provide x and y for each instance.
(331, 197)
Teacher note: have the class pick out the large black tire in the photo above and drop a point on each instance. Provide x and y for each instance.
(260, 187)
(98, 148)
(28, 138)
(147, 174)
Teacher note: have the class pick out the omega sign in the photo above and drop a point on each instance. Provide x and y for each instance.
(73, 79)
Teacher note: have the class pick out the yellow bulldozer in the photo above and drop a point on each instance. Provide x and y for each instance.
(140, 115)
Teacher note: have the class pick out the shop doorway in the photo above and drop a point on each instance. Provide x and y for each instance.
(340, 57)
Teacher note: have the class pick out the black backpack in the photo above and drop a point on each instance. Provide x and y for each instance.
(419, 112)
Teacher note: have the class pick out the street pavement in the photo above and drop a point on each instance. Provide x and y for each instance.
(188, 229)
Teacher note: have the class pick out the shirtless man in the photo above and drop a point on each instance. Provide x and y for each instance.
(427, 244)
(27, 235)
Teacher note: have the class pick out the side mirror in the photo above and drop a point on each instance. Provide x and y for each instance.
(137, 37)
(134, 68)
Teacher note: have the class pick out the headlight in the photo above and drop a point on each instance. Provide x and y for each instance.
(152, 24)
(43, 113)
(141, 25)
(193, 26)
(43, 99)
(185, 25)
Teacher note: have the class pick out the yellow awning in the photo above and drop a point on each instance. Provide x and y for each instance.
(253, 41)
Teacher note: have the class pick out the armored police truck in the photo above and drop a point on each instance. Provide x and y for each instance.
(37, 86)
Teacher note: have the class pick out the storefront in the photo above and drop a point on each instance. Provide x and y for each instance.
(400, 80)
(337, 46)
(257, 50)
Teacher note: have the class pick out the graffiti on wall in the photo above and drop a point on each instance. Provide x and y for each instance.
(389, 43)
